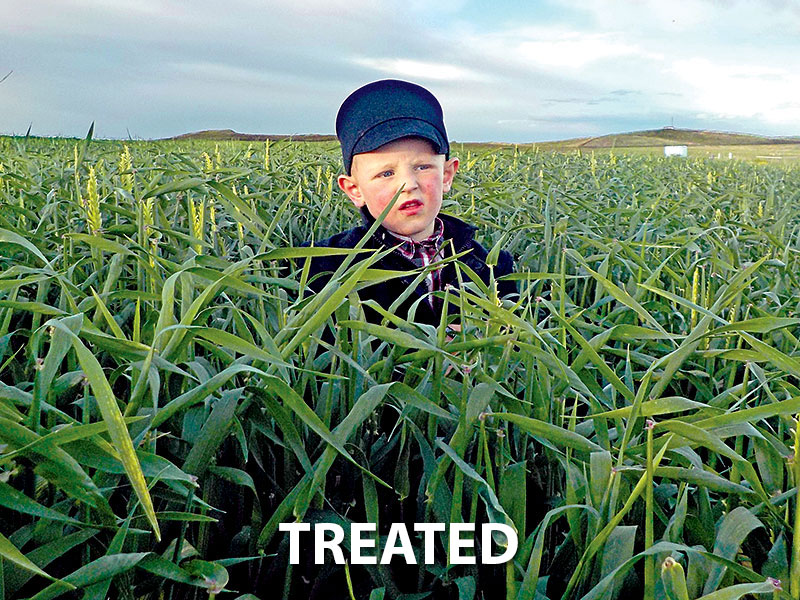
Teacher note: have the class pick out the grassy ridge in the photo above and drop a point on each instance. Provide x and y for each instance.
(167, 394)
(229, 135)
(667, 136)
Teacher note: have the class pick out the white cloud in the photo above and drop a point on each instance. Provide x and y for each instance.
(133, 7)
(563, 63)
(419, 70)
(221, 72)
(570, 49)
(447, 7)
(741, 90)
(86, 17)
(550, 48)
(316, 8)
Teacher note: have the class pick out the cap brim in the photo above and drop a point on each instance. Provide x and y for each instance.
(395, 129)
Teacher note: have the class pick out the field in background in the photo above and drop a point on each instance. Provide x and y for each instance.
(767, 154)
(701, 144)
(760, 154)
(170, 392)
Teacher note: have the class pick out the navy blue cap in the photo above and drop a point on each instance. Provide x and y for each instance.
(387, 110)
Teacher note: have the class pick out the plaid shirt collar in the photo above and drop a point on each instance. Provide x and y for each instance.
(427, 248)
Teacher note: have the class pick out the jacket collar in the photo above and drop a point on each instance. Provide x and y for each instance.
(454, 229)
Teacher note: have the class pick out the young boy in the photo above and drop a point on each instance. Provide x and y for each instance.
(393, 138)
(392, 135)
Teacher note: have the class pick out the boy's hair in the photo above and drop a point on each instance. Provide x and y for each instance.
(387, 110)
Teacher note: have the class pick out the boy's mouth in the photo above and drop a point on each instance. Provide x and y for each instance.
(411, 206)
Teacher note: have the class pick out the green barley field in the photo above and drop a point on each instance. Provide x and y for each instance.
(170, 392)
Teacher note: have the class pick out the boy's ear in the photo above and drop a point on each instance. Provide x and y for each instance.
(349, 186)
(450, 168)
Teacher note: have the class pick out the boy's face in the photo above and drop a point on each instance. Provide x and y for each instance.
(409, 162)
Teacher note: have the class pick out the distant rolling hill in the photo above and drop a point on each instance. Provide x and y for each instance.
(668, 136)
(224, 135)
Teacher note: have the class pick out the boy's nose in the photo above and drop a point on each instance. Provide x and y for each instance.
(409, 180)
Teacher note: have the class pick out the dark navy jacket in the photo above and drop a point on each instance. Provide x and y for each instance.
(385, 293)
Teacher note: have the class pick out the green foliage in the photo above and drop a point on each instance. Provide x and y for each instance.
(170, 392)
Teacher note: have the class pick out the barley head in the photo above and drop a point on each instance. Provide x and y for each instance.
(197, 213)
(126, 169)
(208, 166)
(93, 217)
(147, 214)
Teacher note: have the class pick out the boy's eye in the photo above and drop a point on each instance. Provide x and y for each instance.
(422, 167)
(386, 173)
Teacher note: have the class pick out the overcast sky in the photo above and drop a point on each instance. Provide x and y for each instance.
(506, 70)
